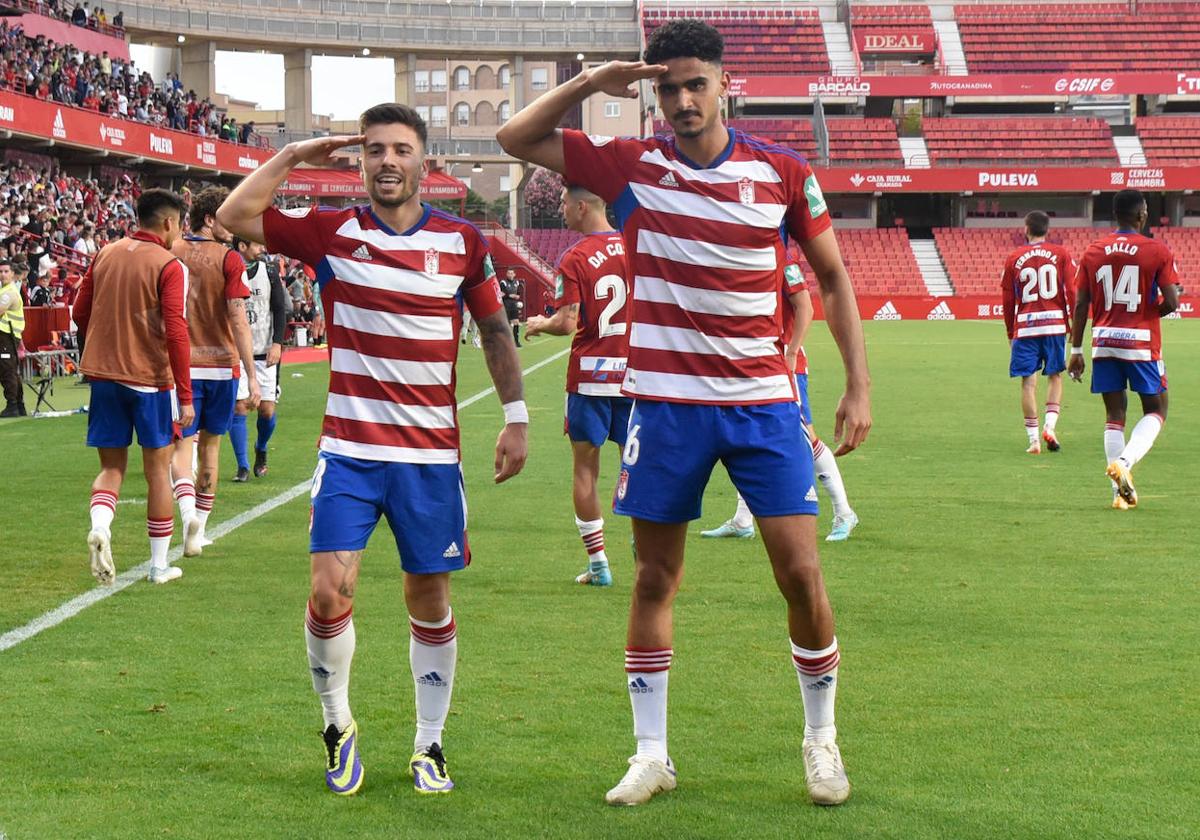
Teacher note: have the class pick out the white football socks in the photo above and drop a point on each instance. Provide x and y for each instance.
(1052, 410)
(743, 518)
(646, 678)
(1031, 429)
(591, 531)
(160, 531)
(1141, 439)
(103, 509)
(330, 643)
(831, 478)
(185, 495)
(1114, 443)
(818, 671)
(432, 654)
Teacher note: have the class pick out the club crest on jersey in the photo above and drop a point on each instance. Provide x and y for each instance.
(746, 191)
(432, 261)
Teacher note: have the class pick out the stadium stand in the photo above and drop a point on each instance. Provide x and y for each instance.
(1090, 37)
(1170, 141)
(1185, 244)
(796, 134)
(854, 141)
(549, 243)
(62, 73)
(974, 257)
(1055, 140)
(880, 261)
(74, 13)
(884, 20)
(759, 41)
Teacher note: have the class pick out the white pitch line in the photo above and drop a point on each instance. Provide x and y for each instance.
(78, 604)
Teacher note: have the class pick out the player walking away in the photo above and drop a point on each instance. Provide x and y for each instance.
(1130, 282)
(132, 308)
(701, 215)
(393, 275)
(592, 287)
(220, 337)
(510, 287)
(797, 318)
(1036, 287)
(266, 310)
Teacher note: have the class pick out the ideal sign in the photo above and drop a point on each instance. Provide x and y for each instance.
(897, 42)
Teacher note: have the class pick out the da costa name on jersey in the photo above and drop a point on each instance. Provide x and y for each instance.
(612, 249)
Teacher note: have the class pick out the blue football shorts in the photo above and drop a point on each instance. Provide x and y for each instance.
(213, 400)
(1047, 353)
(1109, 375)
(597, 419)
(116, 410)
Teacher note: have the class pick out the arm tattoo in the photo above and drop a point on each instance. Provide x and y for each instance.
(501, 356)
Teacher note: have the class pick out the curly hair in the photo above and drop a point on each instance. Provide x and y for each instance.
(685, 38)
(204, 204)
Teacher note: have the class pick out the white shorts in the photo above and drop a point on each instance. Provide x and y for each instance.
(268, 381)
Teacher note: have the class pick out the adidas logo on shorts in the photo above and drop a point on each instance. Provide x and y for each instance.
(941, 312)
(452, 551)
(811, 495)
(887, 312)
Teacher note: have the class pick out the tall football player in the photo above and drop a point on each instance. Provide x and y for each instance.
(1037, 295)
(592, 287)
(1129, 282)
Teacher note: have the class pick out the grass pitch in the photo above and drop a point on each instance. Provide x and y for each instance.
(1019, 660)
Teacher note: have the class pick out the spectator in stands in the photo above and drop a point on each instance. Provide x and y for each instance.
(40, 293)
(244, 134)
(119, 20)
(86, 243)
(79, 16)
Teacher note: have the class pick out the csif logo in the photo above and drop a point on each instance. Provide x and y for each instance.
(1084, 84)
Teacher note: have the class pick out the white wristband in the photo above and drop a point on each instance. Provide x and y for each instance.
(516, 412)
(1076, 351)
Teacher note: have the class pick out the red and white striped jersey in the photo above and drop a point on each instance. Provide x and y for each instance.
(393, 305)
(706, 253)
(1037, 290)
(1124, 272)
(593, 273)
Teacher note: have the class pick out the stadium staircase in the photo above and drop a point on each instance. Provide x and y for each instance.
(933, 272)
(1129, 150)
(842, 60)
(953, 58)
(915, 152)
(509, 249)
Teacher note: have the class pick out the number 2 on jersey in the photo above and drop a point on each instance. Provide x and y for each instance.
(611, 285)
(1039, 282)
(1124, 291)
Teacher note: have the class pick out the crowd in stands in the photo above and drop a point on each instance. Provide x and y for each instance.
(51, 223)
(80, 14)
(39, 67)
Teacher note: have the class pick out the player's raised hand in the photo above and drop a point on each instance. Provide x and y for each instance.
(317, 150)
(617, 78)
(1076, 366)
(853, 421)
(512, 447)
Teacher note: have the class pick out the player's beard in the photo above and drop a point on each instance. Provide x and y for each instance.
(691, 131)
(397, 200)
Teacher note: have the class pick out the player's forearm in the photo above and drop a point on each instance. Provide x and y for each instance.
(1170, 301)
(562, 322)
(802, 307)
(841, 316)
(1079, 321)
(500, 353)
(242, 210)
(541, 118)
(278, 312)
(241, 333)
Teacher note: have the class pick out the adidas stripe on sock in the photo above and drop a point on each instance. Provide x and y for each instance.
(330, 644)
(818, 671)
(646, 672)
(160, 531)
(591, 531)
(432, 655)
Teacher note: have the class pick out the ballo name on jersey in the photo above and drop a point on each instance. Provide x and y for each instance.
(1008, 179)
(613, 249)
(1121, 248)
(1037, 252)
